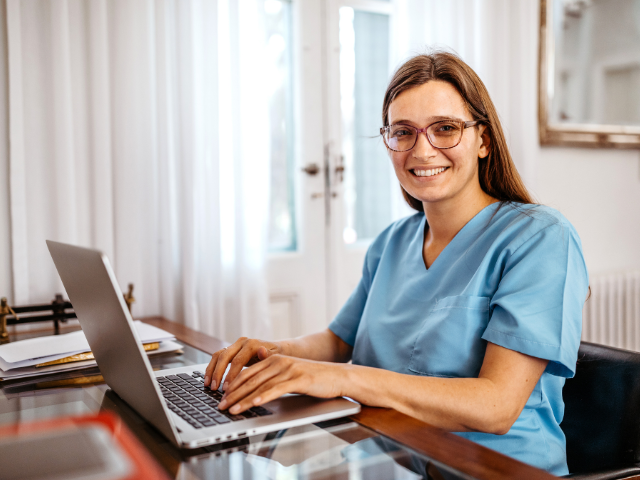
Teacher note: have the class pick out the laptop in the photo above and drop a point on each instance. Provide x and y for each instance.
(175, 401)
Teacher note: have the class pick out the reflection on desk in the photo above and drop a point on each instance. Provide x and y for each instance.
(335, 449)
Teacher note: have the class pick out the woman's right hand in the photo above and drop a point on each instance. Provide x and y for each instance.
(244, 352)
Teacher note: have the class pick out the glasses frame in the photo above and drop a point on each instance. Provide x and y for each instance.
(462, 123)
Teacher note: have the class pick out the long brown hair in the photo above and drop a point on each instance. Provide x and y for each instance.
(497, 172)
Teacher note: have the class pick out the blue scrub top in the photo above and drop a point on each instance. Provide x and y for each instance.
(514, 275)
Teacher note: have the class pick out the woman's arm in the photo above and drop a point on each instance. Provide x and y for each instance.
(323, 346)
(490, 403)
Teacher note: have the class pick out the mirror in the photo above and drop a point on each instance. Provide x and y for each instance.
(589, 73)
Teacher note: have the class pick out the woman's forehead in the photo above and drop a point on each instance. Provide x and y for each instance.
(432, 99)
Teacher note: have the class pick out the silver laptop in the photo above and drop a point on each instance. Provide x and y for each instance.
(175, 401)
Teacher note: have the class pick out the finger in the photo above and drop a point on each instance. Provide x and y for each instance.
(260, 373)
(253, 384)
(242, 358)
(264, 352)
(225, 356)
(266, 393)
(209, 370)
(246, 374)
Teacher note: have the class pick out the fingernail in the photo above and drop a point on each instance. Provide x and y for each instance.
(225, 386)
(206, 379)
(257, 400)
(222, 404)
(235, 409)
(213, 385)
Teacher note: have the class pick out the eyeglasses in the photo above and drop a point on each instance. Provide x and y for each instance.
(442, 135)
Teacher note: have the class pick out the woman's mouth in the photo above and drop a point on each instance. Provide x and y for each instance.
(428, 173)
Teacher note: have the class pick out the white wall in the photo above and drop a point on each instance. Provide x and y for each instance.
(599, 192)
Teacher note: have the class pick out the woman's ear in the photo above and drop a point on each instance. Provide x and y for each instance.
(485, 146)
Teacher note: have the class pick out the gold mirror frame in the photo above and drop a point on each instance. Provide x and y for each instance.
(571, 135)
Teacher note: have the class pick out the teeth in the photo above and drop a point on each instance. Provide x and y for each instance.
(429, 173)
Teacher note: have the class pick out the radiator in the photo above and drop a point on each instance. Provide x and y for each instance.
(611, 316)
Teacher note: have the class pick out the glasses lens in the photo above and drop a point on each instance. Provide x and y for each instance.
(400, 137)
(445, 134)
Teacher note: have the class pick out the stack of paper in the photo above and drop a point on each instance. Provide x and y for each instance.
(19, 359)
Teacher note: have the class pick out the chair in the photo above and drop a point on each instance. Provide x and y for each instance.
(602, 414)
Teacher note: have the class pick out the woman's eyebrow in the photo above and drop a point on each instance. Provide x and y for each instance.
(431, 120)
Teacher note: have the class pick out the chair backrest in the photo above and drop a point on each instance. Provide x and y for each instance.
(602, 409)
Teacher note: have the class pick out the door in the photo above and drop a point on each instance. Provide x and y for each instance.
(345, 189)
(296, 270)
(366, 196)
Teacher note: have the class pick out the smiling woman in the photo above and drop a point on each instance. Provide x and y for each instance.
(497, 174)
(468, 314)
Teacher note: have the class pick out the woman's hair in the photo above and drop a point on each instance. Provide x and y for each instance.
(498, 175)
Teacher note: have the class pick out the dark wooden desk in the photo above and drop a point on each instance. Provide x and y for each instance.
(440, 446)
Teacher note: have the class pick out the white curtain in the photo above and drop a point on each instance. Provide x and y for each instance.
(140, 128)
(499, 40)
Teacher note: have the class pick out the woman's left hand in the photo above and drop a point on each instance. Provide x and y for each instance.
(280, 374)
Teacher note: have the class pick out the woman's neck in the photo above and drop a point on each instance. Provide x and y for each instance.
(446, 218)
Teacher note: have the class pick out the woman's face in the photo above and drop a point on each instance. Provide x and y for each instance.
(457, 167)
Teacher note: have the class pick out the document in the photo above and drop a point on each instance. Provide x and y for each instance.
(19, 359)
(166, 346)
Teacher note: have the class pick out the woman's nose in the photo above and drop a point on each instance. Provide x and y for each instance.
(423, 148)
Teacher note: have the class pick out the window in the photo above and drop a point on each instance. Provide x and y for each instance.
(282, 228)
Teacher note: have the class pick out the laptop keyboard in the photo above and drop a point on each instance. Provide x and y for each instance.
(196, 404)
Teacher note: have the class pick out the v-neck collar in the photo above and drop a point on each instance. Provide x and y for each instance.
(451, 246)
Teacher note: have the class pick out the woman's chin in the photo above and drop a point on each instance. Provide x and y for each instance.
(431, 197)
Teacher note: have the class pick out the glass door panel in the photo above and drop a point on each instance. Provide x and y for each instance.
(364, 72)
(363, 185)
(282, 225)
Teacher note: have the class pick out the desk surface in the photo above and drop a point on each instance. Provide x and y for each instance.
(376, 443)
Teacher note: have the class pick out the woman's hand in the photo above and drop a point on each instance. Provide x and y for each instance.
(322, 346)
(245, 351)
(280, 374)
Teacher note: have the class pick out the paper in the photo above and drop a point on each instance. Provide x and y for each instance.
(32, 351)
(165, 347)
(78, 357)
(149, 333)
(39, 347)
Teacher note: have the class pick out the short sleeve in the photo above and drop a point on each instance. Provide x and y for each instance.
(537, 308)
(345, 324)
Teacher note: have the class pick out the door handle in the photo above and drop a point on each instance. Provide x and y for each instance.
(311, 169)
(339, 170)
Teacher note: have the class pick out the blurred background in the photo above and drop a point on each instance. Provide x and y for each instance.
(225, 153)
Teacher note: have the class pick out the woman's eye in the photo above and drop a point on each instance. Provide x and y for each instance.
(446, 128)
(400, 133)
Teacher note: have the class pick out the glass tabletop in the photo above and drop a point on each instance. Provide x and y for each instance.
(335, 449)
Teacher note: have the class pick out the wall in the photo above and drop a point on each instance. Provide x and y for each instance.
(599, 192)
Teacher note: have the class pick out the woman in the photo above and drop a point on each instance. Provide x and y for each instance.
(468, 314)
